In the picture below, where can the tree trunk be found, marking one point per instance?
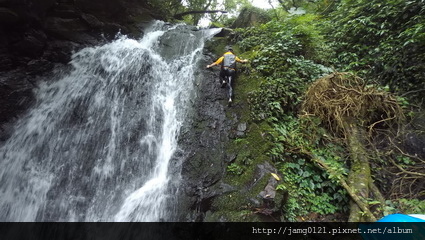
(359, 178)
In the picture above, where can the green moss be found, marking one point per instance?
(250, 150)
(234, 216)
(217, 46)
(238, 206)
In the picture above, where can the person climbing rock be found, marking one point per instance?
(228, 67)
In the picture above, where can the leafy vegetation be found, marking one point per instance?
(286, 56)
(381, 42)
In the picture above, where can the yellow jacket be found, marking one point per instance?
(220, 60)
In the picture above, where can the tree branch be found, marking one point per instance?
(360, 203)
(283, 5)
(179, 16)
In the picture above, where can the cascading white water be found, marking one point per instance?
(97, 145)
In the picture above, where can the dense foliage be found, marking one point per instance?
(382, 42)
(286, 54)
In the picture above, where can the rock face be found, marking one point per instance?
(204, 140)
(36, 35)
(249, 17)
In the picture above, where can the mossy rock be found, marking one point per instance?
(251, 16)
(250, 151)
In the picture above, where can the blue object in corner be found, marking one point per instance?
(394, 227)
(400, 218)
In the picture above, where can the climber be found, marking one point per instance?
(228, 66)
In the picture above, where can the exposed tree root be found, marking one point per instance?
(348, 106)
(406, 179)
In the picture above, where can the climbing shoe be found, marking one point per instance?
(223, 84)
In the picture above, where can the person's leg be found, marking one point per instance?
(231, 73)
(222, 77)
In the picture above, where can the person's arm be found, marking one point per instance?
(216, 62)
(241, 60)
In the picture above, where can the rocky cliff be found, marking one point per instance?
(36, 35)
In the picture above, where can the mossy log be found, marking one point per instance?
(359, 177)
(362, 205)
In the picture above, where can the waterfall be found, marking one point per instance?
(97, 144)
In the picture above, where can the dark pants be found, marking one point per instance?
(231, 73)
(227, 72)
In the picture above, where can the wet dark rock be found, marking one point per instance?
(65, 14)
(64, 10)
(32, 45)
(39, 66)
(169, 38)
(204, 141)
(37, 35)
(6, 62)
(69, 29)
(101, 8)
(57, 24)
(215, 190)
(224, 32)
(15, 94)
(8, 17)
(232, 157)
(111, 30)
(60, 51)
(92, 21)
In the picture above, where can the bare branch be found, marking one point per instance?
(179, 16)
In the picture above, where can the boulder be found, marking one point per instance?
(111, 29)
(225, 32)
(268, 194)
(250, 17)
(241, 130)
